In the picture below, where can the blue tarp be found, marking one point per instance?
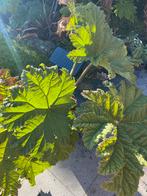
(59, 57)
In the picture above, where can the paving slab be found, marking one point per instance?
(82, 163)
(79, 172)
(45, 183)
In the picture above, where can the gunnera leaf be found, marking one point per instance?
(94, 41)
(116, 126)
(38, 114)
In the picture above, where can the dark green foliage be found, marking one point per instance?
(125, 9)
(22, 11)
(137, 50)
(130, 17)
(125, 16)
(64, 11)
(16, 56)
(33, 16)
(30, 11)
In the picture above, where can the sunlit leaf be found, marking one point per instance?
(92, 35)
(116, 126)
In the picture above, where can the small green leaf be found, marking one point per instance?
(30, 168)
(81, 37)
(125, 9)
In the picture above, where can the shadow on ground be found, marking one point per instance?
(80, 175)
(44, 194)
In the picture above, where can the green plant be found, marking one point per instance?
(35, 16)
(31, 11)
(136, 49)
(35, 130)
(36, 121)
(126, 16)
(16, 56)
(115, 124)
(93, 41)
(64, 11)
(125, 9)
(36, 117)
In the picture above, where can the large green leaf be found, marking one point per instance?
(94, 120)
(116, 126)
(135, 116)
(35, 125)
(93, 40)
(39, 113)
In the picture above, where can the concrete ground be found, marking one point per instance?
(77, 176)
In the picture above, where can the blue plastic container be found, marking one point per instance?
(59, 58)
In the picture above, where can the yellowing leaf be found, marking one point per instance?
(115, 124)
(72, 23)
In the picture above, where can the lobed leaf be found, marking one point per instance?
(35, 128)
(39, 112)
(94, 41)
(115, 124)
